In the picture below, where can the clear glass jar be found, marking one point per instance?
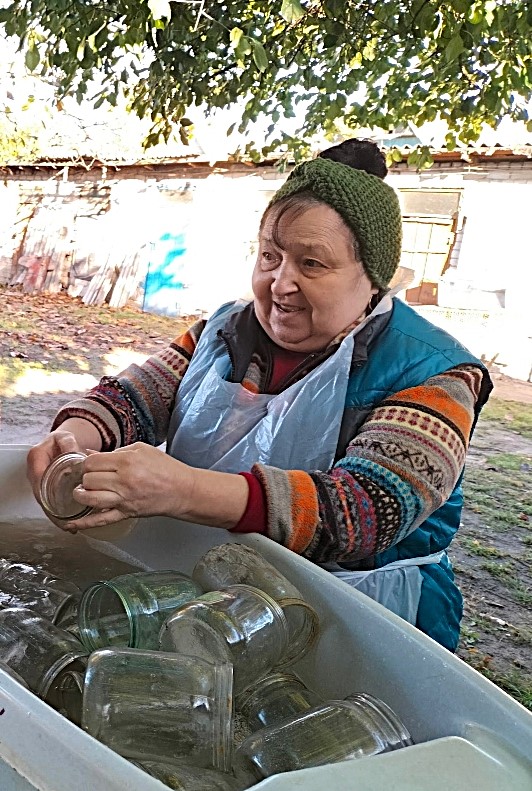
(240, 624)
(68, 695)
(58, 482)
(38, 650)
(11, 573)
(129, 610)
(158, 706)
(238, 564)
(337, 730)
(48, 596)
(10, 672)
(181, 777)
(275, 698)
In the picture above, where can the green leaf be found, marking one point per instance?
(80, 52)
(259, 56)
(235, 35)
(160, 9)
(454, 48)
(292, 10)
(32, 58)
(475, 15)
(243, 47)
(529, 126)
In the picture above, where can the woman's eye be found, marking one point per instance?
(268, 260)
(311, 263)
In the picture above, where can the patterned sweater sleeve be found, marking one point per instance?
(401, 466)
(137, 404)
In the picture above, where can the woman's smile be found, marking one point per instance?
(308, 283)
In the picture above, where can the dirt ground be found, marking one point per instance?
(53, 348)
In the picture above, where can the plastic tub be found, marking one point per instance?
(362, 648)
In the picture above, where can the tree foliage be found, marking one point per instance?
(370, 64)
(19, 139)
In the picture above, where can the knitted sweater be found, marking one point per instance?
(367, 501)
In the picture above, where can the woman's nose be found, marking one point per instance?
(284, 279)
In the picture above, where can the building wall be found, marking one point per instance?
(191, 231)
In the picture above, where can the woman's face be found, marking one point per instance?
(309, 284)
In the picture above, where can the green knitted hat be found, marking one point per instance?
(368, 206)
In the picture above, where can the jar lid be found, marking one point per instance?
(58, 484)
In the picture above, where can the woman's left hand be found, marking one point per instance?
(140, 480)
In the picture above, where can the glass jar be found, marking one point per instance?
(10, 672)
(159, 706)
(238, 564)
(38, 650)
(240, 624)
(68, 695)
(129, 610)
(336, 730)
(181, 777)
(274, 698)
(58, 482)
(33, 589)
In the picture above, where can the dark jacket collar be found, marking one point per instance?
(244, 337)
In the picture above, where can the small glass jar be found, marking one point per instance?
(129, 610)
(68, 695)
(12, 573)
(38, 650)
(336, 730)
(238, 564)
(275, 698)
(151, 705)
(181, 777)
(240, 624)
(48, 596)
(58, 482)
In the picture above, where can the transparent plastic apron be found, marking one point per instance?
(220, 425)
(397, 586)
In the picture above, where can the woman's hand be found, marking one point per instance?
(140, 480)
(73, 436)
(41, 455)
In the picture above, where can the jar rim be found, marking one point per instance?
(264, 683)
(381, 716)
(98, 587)
(47, 480)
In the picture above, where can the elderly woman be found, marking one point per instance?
(325, 414)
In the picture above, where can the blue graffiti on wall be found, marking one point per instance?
(164, 279)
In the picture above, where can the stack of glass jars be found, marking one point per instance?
(191, 677)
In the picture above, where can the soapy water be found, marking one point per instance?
(81, 560)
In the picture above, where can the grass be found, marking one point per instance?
(510, 462)
(474, 547)
(514, 683)
(509, 415)
(500, 493)
(522, 635)
(507, 573)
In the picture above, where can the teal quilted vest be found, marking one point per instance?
(405, 353)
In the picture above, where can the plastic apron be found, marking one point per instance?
(220, 425)
(397, 586)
